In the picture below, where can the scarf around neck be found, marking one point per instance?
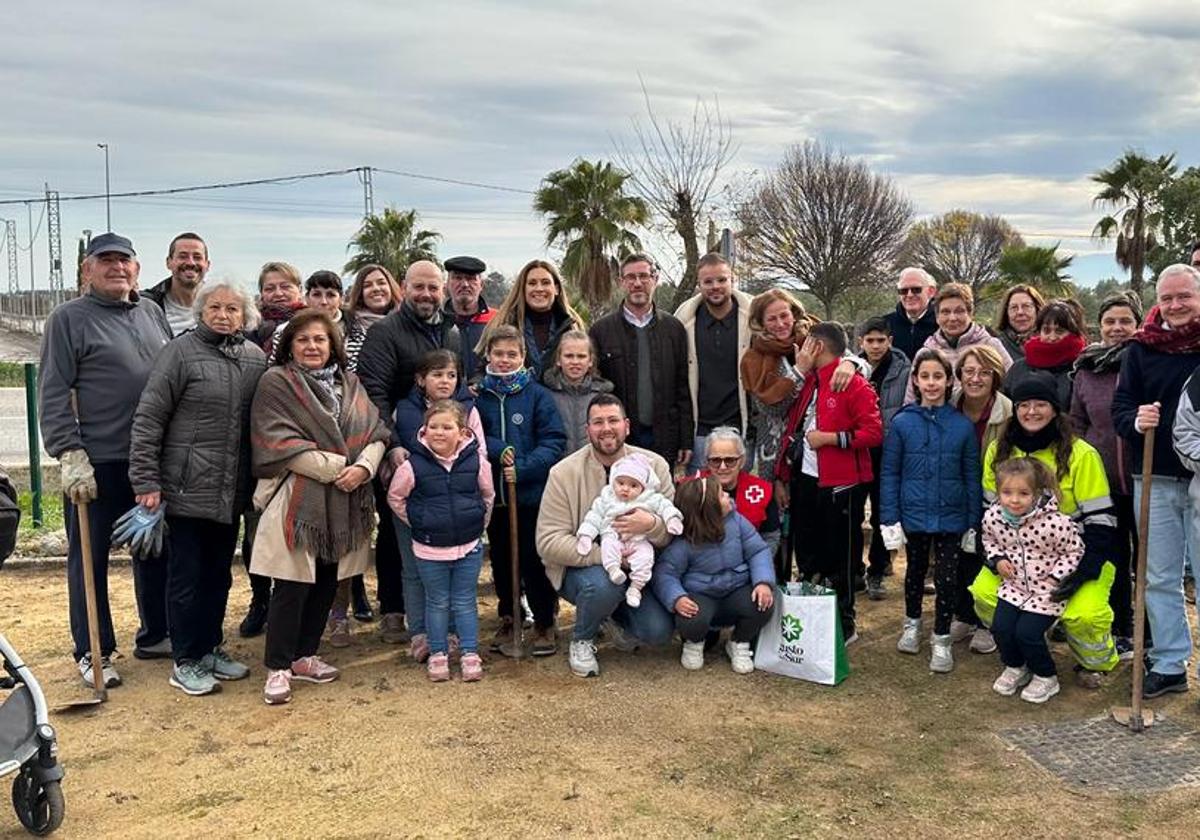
(1030, 442)
(1155, 334)
(325, 379)
(1053, 354)
(1100, 359)
(507, 383)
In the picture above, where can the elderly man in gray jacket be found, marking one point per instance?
(97, 352)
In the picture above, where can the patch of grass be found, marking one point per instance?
(12, 375)
(52, 511)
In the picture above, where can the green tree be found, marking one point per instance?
(590, 215)
(1132, 187)
(959, 247)
(1180, 199)
(1038, 266)
(393, 240)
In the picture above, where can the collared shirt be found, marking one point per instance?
(716, 339)
(640, 322)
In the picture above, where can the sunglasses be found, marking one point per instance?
(909, 290)
(719, 463)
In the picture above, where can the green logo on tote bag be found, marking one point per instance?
(790, 628)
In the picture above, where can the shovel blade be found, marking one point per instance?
(1125, 716)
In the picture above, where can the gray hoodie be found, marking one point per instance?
(102, 350)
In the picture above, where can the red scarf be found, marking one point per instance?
(1154, 333)
(1052, 354)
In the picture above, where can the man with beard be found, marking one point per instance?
(644, 354)
(573, 485)
(187, 260)
(717, 323)
(466, 306)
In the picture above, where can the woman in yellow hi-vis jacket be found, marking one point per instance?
(1040, 430)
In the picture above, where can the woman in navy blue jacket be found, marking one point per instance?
(719, 572)
(525, 436)
(930, 493)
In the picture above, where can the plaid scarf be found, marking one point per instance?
(294, 413)
(1154, 334)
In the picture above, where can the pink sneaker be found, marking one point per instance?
(472, 667)
(418, 647)
(278, 688)
(439, 667)
(311, 669)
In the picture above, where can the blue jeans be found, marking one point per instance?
(414, 589)
(1170, 546)
(450, 587)
(596, 598)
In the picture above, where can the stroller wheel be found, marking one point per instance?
(39, 806)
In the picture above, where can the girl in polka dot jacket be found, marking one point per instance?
(1032, 547)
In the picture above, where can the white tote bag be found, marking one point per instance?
(803, 637)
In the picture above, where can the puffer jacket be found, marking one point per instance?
(190, 437)
(528, 421)
(953, 348)
(930, 475)
(713, 569)
(572, 402)
(1044, 547)
(891, 385)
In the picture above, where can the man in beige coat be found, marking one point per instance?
(572, 487)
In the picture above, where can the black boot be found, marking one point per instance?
(358, 595)
(255, 621)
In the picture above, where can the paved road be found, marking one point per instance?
(18, 346)
(14, 444)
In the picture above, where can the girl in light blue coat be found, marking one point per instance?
(930, 495)
(719, 572)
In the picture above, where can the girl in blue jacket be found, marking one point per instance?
(525, 438)
(719, 572)
(930, 494)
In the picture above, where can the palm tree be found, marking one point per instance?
(1037, 266)
(589, 214)
(1131, 187)
(391, 239)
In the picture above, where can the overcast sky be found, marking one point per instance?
(1000, 108)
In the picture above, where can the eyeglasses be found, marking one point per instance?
(643, 277)
(976, 373)
(724, 463)
(905, 291)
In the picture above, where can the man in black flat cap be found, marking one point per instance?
(97, 353)
(465, 304)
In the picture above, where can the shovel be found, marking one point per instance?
(516, 648)
(1134, 716)
(99, 692)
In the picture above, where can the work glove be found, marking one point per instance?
(893, 536)
(78, 477)
(1068, 586)
(968, 541)
(143, 530)
(583, 545)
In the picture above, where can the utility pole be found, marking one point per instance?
(364, 175)
(32, 276)
(10, 243)
(54, 235)
(107, 189)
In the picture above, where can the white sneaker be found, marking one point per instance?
(111, 678)
(1040, 689)
(941, 659)
(982, 641)
(619, 637)
(692, 658)
(582, 659)
(960, 631)
(1010, 680)
(740, 657)
(633, 597)
(910, 637)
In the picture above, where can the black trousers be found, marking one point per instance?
(878, 557)
(198, 582)
(828, 542)
(945, 574)
(388, 565)
(260, 585)
(737, 609)
(297, 617)
(114, 498)
(543, 600)
(1120, 598)
(1021, 638)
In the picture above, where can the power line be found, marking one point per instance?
(37, 230)
(476, 184)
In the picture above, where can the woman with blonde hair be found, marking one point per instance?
(537, 306)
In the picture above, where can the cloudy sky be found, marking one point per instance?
(1000, 108)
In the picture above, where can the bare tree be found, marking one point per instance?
(826, 221)
(675, 168)
(960, 246)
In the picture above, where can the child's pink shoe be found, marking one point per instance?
(312, 669)
(472, 667)
(438, 667)
(418, 647)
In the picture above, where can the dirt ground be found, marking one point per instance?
(646, 750)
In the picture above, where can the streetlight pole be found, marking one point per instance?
(107, 199)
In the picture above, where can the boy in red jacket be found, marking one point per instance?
(825, 467)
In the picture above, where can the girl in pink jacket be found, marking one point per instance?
(1032, 547)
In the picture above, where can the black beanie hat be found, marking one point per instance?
(1036, 385)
